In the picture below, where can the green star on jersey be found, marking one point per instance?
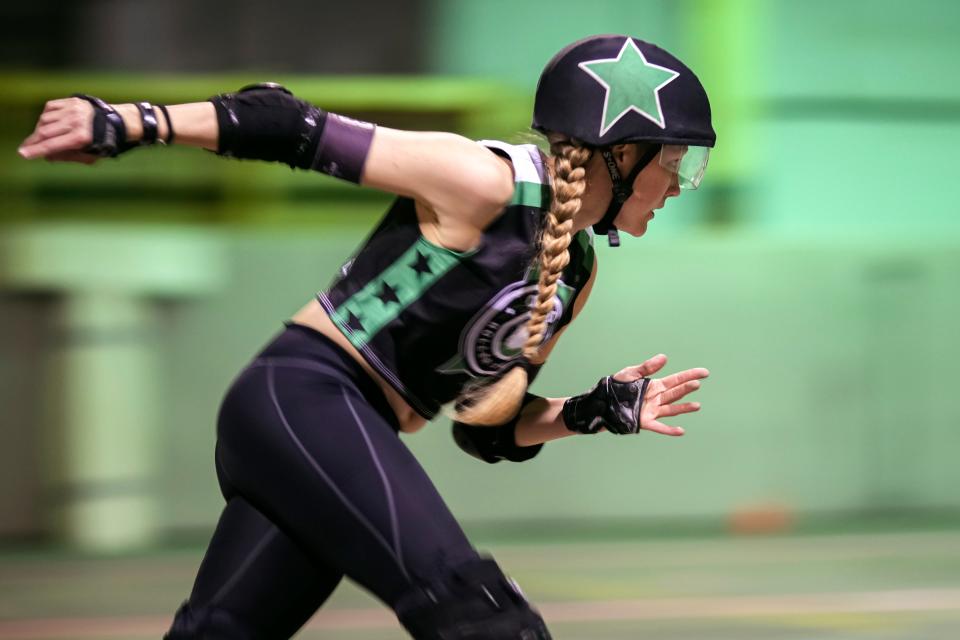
(632, 84)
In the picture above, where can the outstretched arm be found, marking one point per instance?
(460, 181)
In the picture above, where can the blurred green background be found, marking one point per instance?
(815, 272)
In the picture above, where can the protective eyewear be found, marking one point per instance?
(689, 163)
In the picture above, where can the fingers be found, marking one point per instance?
(46, 131)
(64, 125)
(666, 404)
(72, 140)
(676, 409)
(53, 129)
(652, 365)
(672, 395)
(677, 379)
(658, 427)
(60, 103)
(644, 370)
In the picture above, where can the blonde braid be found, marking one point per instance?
(568, 185)
(496, 403)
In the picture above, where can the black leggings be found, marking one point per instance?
(318, 486)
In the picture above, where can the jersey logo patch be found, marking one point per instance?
(495, 336)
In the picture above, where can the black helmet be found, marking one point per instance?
(613, 89)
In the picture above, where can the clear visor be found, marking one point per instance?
(689, 163)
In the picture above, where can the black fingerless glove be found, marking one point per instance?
(611, 404)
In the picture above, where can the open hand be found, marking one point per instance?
(660, 400)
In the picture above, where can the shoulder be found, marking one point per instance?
(494, 170)
(529, 176)
(482, 183)
(495, 176)
(453, 175)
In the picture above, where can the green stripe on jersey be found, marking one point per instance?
(531, 194)
(398, 286)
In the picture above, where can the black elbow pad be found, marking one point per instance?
(492, 444)
(267, 122)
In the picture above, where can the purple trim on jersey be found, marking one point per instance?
(342, 150)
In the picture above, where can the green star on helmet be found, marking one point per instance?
(632, 84)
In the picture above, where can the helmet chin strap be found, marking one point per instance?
(622, 188)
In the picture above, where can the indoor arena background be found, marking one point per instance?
(815, 273)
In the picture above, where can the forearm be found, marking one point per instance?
(541, 421)
(194, 124)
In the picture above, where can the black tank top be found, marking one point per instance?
(429, 319)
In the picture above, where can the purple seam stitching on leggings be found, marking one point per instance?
(222, 591)
(383, 476)
(316, 467)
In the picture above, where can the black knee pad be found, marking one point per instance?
(475, 602)
(208, 623)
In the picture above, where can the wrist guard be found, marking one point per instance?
(109, 136)
(109, 133)
(267, 122)
(612, 404)
(493, 444)
(148, 118)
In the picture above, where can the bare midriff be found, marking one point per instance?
(314, 316)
